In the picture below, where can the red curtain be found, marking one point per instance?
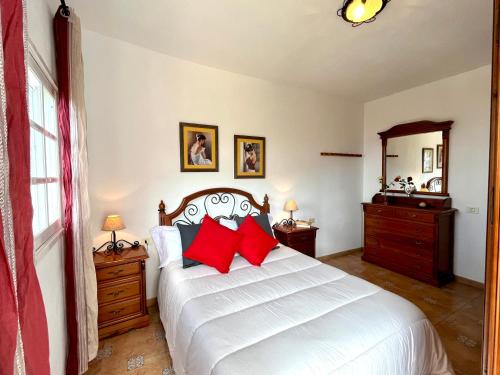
(61, 31)
(20, 283)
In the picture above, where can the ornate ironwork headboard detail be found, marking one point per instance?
(435, 184)
(218, 203)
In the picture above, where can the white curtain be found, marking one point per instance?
(86, 285)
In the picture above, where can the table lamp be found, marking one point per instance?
(290, 205)
(112, 223)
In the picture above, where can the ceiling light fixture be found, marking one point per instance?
(358, 12)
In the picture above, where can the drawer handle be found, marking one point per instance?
(413, 215)
(379, 211)
(117, 272)
(418, 242)
(117, 312)
(116, 293)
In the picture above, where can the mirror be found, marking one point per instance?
(417, 150)
(419, 156)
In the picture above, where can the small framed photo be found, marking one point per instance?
(427, 160)
(249, 157)
(439, 156)
(199, 146)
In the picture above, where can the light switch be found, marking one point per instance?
(472, 210)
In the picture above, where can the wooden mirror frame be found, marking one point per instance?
(418, 127)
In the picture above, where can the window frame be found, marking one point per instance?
(36, 64)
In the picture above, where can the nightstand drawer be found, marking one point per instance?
(115, 291)
(301, 237)
(109, 273)
(118, 310)
(305, 247)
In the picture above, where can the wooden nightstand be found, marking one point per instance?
(121, 291)
(300, 239)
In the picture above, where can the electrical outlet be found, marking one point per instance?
(472, 210)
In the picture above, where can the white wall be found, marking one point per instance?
(465, 99)
(40, 31)
(135, 100)
(49, 263)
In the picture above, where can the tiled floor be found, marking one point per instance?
(455, 310)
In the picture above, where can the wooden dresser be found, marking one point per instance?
(416, 242)
(300, 239)
(121, 291)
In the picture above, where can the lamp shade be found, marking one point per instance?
(113, 222)
(291, 205)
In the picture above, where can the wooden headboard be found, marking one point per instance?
(217, 202)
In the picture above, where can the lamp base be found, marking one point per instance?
(115, 246)
(288, 223)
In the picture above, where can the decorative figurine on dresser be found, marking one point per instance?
(121, 285)
(412, 233)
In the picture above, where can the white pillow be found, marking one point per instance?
(168, 243)
(270, 220)
(231, 224)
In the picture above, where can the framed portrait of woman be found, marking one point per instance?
(199, 146)
(249, 156)
(427, 160)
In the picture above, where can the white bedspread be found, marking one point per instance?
(293, 315)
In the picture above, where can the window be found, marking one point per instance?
(44, 156)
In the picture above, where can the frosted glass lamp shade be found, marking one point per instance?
(291, 205)
(112, 223)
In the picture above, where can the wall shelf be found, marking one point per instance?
(341, 154)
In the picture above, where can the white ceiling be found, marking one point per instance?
(304, 42)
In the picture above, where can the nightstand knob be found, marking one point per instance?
(117, 272)
(116, 293)
(116, 312)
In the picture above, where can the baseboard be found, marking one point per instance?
(151, 302)
(340, 254)
(469, 282)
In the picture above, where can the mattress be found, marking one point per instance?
(292, 315)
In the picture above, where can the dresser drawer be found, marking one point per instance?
(399, 260)
(415, 215)
(119, 310)
(109, 273)
(375, 225)
(380, 210)
(405, 245)
(109, 292)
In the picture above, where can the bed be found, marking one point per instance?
(292, 315)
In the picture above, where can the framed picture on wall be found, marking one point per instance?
(249, 157)
(199, 147)
(439, 156)
(427, 160)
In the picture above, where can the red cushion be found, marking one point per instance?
(214, 245)
(256, 243)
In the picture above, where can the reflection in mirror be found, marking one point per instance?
(418, 156)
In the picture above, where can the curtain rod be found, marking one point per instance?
(64, 9)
